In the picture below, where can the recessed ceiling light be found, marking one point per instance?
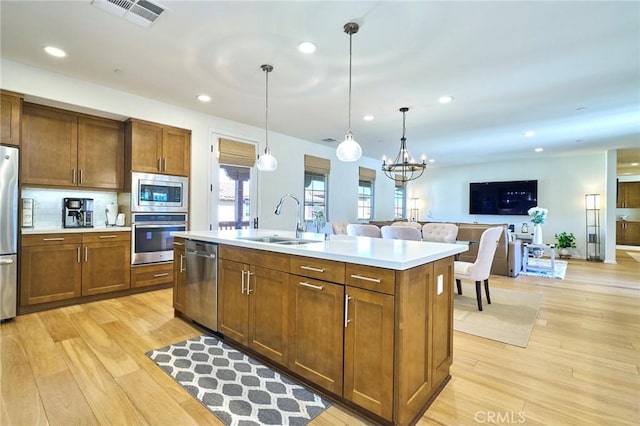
(368, 117)
(306, 47)
(204, 98)
(539, 149)
(634, 164)
(446, 99)
(54, 51)
(529, 134)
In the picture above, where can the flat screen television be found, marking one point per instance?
(503, 198)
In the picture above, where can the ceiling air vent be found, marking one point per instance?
(329, 140)
(140, 12)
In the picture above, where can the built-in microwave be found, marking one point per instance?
(159, 193)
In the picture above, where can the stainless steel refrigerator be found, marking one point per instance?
(8, 231)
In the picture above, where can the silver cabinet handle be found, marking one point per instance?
(73, 175)
(310, 268)
(108, 236)
(182, 268)
(80, 176)
(161, 275)
(159, 165)
(86, 254)
(78, 254)
(249, 273)
(242, 287)
(346, 310)
(175, 243)
(53, 239)
(317, 287)
(164, 164)
(373, 280)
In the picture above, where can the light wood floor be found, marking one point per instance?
(86, 365)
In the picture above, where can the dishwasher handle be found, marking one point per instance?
(202, 254)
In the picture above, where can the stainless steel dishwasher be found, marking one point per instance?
(201, 287)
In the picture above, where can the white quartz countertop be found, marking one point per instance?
(61, 230)
(384, 253)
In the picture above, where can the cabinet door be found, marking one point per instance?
(632, 233)
(268, 311)
(368, 351)
(631, 194)
(620, 232)
(106, 267)
(49, 146)
(316, 324)
(50, 273)
(10, 114)
(442, 319)
(179, 275)
(144, 142)
(100, 153)
(233, 301)
(176, 151)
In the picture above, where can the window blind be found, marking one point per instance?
(236, 153)
(366, 174)
(317, 165)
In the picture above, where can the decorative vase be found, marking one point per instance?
(537, 234)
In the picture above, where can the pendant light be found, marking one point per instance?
(266, 161)
(349, 150)
(404, 168)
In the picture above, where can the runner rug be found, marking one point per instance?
(236, 388)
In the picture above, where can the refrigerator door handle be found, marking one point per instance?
(6, 261)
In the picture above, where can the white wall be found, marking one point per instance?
(562, 185)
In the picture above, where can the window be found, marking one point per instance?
(400, 202)
(316, 186)
(366, 186)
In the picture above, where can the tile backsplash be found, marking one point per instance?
(47, 205)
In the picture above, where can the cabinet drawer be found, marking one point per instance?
(147, 275)
(101, 237)
(265, 259)
(50, 239)
(371, 278)
(326, 270)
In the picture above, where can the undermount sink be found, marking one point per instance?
(278, 240)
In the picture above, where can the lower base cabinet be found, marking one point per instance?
(628, 233)
(151, 275)
(56, 267)
(179, 275)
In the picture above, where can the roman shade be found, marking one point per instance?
(317, 165)
(366, 174)
(236, 153)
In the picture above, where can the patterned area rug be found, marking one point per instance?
(236, 388)
(560, 268)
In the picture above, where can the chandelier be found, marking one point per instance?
(267, 162)
(349, 150)
(404, 168)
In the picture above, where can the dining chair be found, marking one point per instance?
(339, 227)
(407, 223)
(479, 270)
(440, 232)
(401, 233)
(363, 230)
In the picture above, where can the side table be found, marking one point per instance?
(530, 247)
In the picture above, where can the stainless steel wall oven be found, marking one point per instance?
(151, 240)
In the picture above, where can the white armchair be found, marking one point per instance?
(480, 269)
(401, 233)
(339, 227)
(363, 230)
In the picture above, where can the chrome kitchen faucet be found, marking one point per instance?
(300, 226)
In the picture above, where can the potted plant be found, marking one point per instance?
(565, 241)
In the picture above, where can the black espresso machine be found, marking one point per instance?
(77, 213)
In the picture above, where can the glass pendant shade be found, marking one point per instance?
(349, 150)
(267, 162)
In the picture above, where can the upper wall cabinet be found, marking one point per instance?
(628, 195)
(154, 148)
(66, 149)
(11, 112)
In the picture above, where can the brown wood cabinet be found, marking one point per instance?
(151, 275)
(61, 148)
(252, 300)
(179, 275)
(63, 266)
(628, 233)
(154, 148)
(628, 195)
(316, 322)
(10, 116)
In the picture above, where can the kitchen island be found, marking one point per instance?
(367, 321)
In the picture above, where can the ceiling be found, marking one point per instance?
(569, 71)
